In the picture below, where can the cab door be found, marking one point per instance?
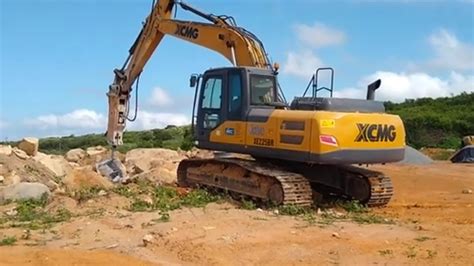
(233, 127)
(210, 106)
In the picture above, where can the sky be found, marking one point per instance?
(57, 56)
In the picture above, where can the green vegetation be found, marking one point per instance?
(8, 241)
(86, 194)
(439, 123)
(248, 205)
(293, 210)
(30, 214)
(170, 138)
(167, 199)
(353, 211)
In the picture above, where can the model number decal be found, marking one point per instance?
(263, 142)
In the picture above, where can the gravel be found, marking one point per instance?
(413, 156)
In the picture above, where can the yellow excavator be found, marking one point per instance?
(295, 151)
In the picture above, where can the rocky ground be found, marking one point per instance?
(88, 220)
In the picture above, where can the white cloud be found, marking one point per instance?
(77, 119)
(85, 121)
(319, 35)
(397, 87)
(159, 98)
(301, 64)
(151, 120)
(450, 52)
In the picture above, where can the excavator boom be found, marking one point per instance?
(222, 35)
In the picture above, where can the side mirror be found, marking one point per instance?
(193, 80)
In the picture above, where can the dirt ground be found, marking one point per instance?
(433, 225)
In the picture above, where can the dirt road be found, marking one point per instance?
(432, 224)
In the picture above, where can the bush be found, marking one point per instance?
(436, 123)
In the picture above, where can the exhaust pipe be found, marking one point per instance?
(371, 89)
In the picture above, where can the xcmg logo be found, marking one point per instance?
(375, 132)
(187, 31)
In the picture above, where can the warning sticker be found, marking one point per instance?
(328, 123)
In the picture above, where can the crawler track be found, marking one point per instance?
(292, 184)
(248, 178)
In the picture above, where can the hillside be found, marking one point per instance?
(440, 122)
(170, 138)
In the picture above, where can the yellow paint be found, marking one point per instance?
(342, 126)
(328, 123)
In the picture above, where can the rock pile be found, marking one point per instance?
(26, 172)
(413, 156)
(157, 165)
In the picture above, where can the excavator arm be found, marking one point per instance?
(221, 35)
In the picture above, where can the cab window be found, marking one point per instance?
(262, 89)
(212, 93)
(212, 102)
(235, 96)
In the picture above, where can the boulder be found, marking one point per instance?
(55, 163)
(143, 160)
(91, 151)
(29, 145)
(12, 179)
(197, 153)
(75, 155)
(6, 149)
(84, 177)
(23, 190)
(74, 165)
(159, 176)
(20, 153)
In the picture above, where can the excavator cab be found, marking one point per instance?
(233, 95)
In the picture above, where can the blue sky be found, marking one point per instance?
(57, 56)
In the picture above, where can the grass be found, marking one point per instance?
(293, 210)
(86, 194)
(353, 206)
(30, 214)
(369, 218)
(354, 211)
(167, 199)
(139, 205)
(124, 191)
(164, 217)
(8, 241)
(248, 205)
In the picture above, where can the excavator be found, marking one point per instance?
(313, 146)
